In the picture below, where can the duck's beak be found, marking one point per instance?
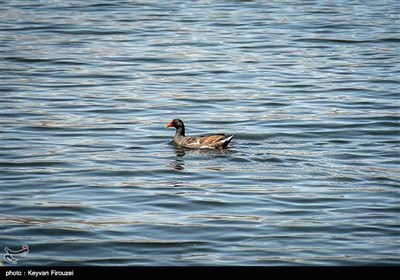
(170, 124)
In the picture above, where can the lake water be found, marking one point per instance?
(310, 89)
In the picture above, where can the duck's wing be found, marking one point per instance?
(208, 141)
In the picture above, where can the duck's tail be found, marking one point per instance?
(226, 140)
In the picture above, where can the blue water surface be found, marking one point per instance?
(89, 175)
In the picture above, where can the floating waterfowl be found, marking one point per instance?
(213, 141)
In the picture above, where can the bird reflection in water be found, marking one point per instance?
(180, 151)
(179, 163)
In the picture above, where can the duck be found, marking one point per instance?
(213, 141)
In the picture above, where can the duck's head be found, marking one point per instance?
(177, 123)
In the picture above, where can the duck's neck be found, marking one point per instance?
(180, 131)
